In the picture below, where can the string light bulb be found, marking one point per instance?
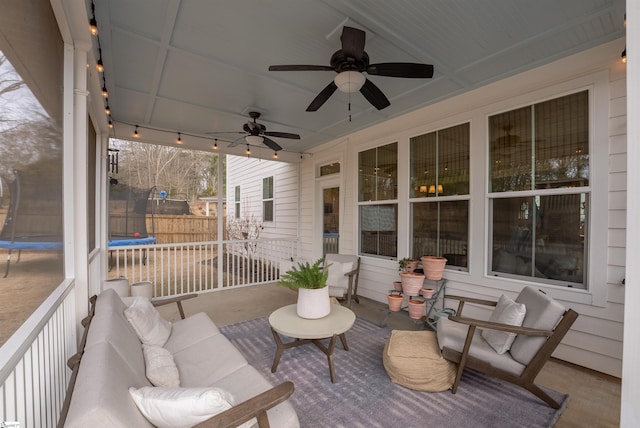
(275, 155)
(105, 94)
(99, 64)
(110, 124)
(623, 56)
(93, 24)
(248, 150)
(179, 139)
(215, 144)
(107, 110)
(135, 132)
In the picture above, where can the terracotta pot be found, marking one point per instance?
(411, 283)
(313, 303)
(433, 267)
(411, 265)
(397, 285)
(395, 302)
(416, 308)
(427, 293)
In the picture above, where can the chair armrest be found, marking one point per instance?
(462, 300)
(255, 407)
(353, 272)
(175, 299)
(471, 300)
(502, 327)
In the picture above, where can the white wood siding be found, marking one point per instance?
(595, 341)
(248, 172)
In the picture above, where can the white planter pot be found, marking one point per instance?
(120, 285)
(143, 288)
(313, 303)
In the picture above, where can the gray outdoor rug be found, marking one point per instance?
(364, 396)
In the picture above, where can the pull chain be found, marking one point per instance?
(349, 106)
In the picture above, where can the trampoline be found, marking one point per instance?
(128, 211)
(34, 217)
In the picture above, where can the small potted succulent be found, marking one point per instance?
(311, 282)
(407, 264)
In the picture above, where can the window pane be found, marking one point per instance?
(31, 160)
(333, 168)
(237, 194)
(441, 229)
(510, 151)
(423, 165)
(541, 237)
(378, 173)
(267, 188)
(562, 142)
(453, 161)
(379, 229)
(267, 211)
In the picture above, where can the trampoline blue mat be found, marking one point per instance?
(135, 241)
(15, 245)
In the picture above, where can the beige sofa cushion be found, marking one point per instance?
(191, 330)
(100, 398)
(247, 382)
(205, 362)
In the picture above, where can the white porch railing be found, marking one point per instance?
(33, 370)
(198, 267)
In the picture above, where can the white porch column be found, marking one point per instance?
(630, 411)
(79, 183)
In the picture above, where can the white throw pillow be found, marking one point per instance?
(147, 322)
(160, 368)
(180, 407)
(506, 312)
(337, 273)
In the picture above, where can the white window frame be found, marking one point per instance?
(271, 199)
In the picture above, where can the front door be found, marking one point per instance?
(331, 220)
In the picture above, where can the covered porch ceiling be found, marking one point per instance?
(199, 67)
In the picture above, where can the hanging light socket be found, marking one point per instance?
(135, 132)
(179, 139)
(93, 24)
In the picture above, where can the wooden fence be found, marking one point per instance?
(171, 229)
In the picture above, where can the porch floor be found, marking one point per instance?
(595, 397)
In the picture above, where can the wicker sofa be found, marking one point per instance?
(112, 361)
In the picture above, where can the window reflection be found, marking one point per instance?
(30, 190)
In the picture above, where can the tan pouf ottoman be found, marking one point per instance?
(412, 359)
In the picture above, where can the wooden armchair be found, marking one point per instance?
(344, 271)
(545, 324)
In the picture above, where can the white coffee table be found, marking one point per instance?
(286, 322)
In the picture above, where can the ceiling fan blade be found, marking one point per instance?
(322, 97)
(401, 69)
(300, 68)
(282, 135)
(271, 144)
(374, 95)
(236, 142)
(353, 42)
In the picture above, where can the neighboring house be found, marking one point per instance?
(265, 192)
(583, 96)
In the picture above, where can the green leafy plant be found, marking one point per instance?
(306, 275)
(402, 263)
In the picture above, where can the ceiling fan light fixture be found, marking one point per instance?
(349, 81)
(253, 139)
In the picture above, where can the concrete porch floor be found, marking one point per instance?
(595, 397)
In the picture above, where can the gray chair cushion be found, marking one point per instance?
(453, 334)
(543, 313)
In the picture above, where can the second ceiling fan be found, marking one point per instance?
(350, 63)
(257, 134)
